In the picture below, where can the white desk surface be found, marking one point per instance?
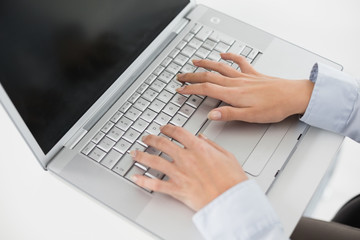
(34, 204)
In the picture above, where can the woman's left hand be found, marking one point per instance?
(200, 171)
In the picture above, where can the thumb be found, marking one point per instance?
(228, 113)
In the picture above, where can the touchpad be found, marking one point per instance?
(237, 137)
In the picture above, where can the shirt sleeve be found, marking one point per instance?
(334, 104)
(243, 213)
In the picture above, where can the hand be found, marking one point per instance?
(199, 173)
(254, 97)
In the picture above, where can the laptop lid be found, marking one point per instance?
(58, 58)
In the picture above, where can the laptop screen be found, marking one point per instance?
(58, 57)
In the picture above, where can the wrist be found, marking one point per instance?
(302, 93)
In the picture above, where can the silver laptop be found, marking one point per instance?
(84, 81)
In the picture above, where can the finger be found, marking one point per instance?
(154, 184)
(203, 77)
(184, 137)
(163, 144)
(228, 113)
(213, 144)
(219, 67)
(241, 61)
(155, 162)
(208, 89)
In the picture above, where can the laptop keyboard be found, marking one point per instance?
(156, 103)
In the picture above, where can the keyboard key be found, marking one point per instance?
(188, 51)
(115, 134)
(246, 51)
(139, 140)
(173, 68)
(194, 101)
(134, 97)
(181, 59)
(125, 107)
(165, 96)
(141, 104)
(253, 54)
(222, 47)
(158, 70)
(150, 79)
(186, 110)
(133, 113)
(149, 94)
(165, 76)
(202, 52)
(172, 86)
(173, 53)
(178, 120)
(98, 137)
(153, 151)
(209, 44)
(165, 62)
(116, 117)
(111, 159)
(188, 37)
(138, 147)
(196, 28)
(178, 99)
(195, 43)
(135, 170)
(157, 85)
(171, 109)
(188, 69)
(122, 146)
(153, 173)
(215, 56)
(148, 115)
(156, 105)
(181, 44)
(140, 125)
(142, 88)
(88, 148)
(193, 58)
(123, 166)
(203, 34)
(124, 123)
(162, 119)
(131, 135)
(142, 166)
(97, 154)
(106, 144)
(107, 127)
(154, 128)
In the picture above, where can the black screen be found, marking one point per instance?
(58, 57)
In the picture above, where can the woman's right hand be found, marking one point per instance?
(252, 96)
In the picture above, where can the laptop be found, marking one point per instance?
(84, 81)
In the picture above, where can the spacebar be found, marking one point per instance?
(199, 117)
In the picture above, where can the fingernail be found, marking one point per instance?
(178, 76)
(180, 89)
(133, 153)
(134, 178)
(161, 127)
(195, 60)
(144, 138)
(214, 115)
